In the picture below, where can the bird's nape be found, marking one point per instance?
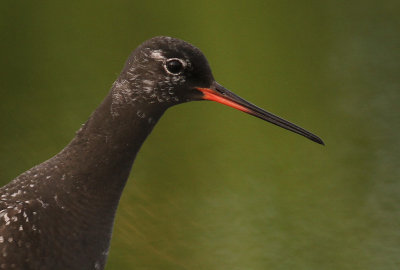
(222, 95)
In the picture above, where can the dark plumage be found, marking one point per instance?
(60, 214)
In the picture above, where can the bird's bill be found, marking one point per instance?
(222, 95)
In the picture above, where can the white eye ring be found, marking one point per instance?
(174, 66)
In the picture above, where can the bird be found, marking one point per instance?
(60, 213)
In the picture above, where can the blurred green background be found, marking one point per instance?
(213, 188)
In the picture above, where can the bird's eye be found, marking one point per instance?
(174, 66)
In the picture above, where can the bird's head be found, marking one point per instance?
(165, 71)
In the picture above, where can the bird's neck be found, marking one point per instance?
(83, 183)
(103, 151)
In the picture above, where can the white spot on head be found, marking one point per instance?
(148, 89)
(157, 55)
(121, 94)
(148, 82)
